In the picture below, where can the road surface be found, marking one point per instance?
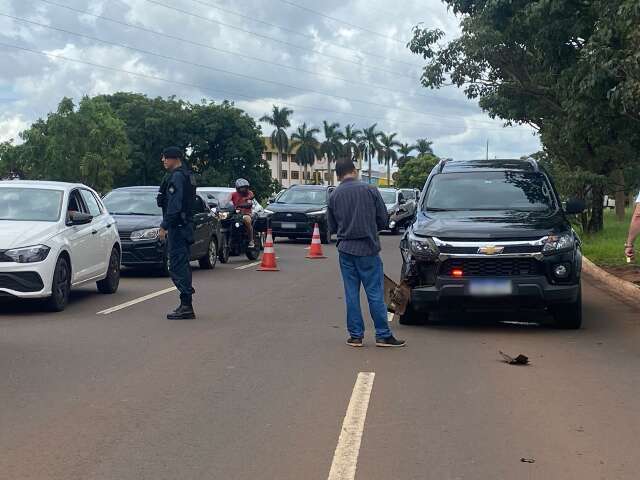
(261, 384)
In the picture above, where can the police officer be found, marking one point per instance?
(176, 198)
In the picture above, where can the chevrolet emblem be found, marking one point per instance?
(490, 250)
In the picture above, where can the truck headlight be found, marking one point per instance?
(558, 243)
(34, 254)
(423, 247)
(317, 213)
(146, 234)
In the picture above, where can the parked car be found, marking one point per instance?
(53, 237)
(401, 211)
(138, 218)
(493, 235)
(298, 209)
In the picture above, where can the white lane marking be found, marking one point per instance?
(136, 301)
(244, 267)
(345, 458)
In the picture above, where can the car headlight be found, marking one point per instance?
(146, 234)
(318, 212)
(423, 247)
(34, 254)
(268, 212)
(557, 243)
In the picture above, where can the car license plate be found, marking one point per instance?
(289, 226)
(490, 287)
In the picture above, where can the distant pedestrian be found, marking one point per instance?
(357, 213)
(176, 198)
(634, 231)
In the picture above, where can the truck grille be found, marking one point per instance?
(492, 267)
(290, 217)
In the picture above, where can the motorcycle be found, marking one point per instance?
(235, 236)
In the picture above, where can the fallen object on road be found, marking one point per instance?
(528, 460)
(396, 296)
(519, 360)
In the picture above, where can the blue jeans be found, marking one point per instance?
(368, 272)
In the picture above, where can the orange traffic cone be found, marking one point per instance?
(315, 252)
(269, 256)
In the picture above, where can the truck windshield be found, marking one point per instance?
(508, 190)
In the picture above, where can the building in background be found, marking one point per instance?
(377, 178)
(292, 173)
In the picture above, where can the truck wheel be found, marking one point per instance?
(110, 283)
(60, 286)
(209, 261)
(413, 317)
(568, 316)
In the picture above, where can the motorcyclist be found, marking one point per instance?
(242, 200)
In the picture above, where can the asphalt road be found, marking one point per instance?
(259, 385)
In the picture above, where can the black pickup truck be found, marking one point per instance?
(492, 235)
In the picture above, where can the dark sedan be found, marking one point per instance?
(138, 218)
(298, 209)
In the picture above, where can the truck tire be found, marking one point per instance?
(568, 316)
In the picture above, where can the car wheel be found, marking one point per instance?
(208, 262)
(111, 282)
(568, 316)
(413, 317)
(60, 286)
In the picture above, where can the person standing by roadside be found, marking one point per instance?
(634, 231)
(176, 198)
(357, 213)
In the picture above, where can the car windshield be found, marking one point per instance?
(30, 204)
(304, 196)
(506, 190)
(389, 196)
(222, 198)
(121, 202)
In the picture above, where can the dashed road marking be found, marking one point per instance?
(136, 301)
(345, 458)
(243, 267)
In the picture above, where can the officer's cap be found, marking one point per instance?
(172, 152)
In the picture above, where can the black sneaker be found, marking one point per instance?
(183, 312)
(390, 342)
(354, 342)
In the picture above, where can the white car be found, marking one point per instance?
(55, 236)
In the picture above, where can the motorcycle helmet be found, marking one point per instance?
(241, 182)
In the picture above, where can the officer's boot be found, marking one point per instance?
(183, 312)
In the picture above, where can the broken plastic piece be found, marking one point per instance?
(519, 360)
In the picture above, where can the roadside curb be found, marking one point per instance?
(617, 286)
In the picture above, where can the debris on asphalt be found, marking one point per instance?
(528, 460)
(519, 360)
(396, 296)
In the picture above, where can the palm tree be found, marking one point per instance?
(405, 153)
(308, 146)
(280, 120)
(331, 147)
(369, 145)
(387, 152)
(351, 138)
(423, 146)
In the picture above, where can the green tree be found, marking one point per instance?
(533, 63)
(226, 144)
(351, 137)
(388, 154)
(88, 144)
(405, 153)
(331, 148)
(423, 146)
(369, 145)
(414, 173)
(279, 118)
(308, 146)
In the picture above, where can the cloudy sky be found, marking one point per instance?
(338, 60)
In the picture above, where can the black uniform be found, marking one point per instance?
(177, 196)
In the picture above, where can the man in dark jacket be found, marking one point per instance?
(176, 198)
(357, 213)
